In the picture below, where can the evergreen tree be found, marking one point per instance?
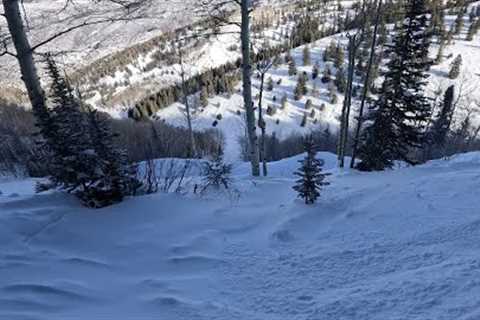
(444, 119)
(441, 48)
(455, 67)
(81, 157)
(309, 104)
(118, 177)
(269, 84)
(459, 23)
(327, 75)
(400, 114)
(283, 101)
(306, 56)
(72, 162)
(315, 71)
(340, 80)
(216, 173)
(292, 68)
(311, 178)
(472, 30)
(301, 88)
(204, 97)
(339, 56)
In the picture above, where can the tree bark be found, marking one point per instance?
(345, 117)
(25, 56)
(365, 87)
(262, 125)
(247, 88)
(193, 146)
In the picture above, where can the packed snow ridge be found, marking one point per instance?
(400, 244)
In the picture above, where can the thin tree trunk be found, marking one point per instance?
(25, 56)
(247, 88)
(365, 86)
(193, 146)
(345, 118)
(262, 125)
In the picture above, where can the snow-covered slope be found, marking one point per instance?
(400, 244)
(288, 121)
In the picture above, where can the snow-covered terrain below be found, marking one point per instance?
(400, 244)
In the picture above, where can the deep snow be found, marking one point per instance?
(402, 244)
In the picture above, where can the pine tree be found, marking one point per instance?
(292, 68)
(269, 84)
(340, 80)
(455, 67)
(400, 114)
(72, 160)
(315, 71)
(444, 119)
(309, 104)
(472, 30)
(339, 56)
(459, 23)
(81, 156)
(441, 48)
(216, 173)
(311, 178)
(306, 56)
(283, 101)
(204, 97)
(301, 88)
(326, 75)
(118, 177)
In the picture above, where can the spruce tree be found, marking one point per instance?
(72, 161)
(340, 80)
(311, 178)
(118, 177)
(444, 119)
(216, 173)
(204, 97)
(315, 71)
(81, 156)
(306, 56)
(400, 114)
(292, 68)
(455, 67)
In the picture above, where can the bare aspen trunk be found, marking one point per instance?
(247, 89)
(193, 146)
(24, 56)
(365, 86)
(345, 118)
(262, 125)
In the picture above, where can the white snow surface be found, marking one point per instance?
(401, 244)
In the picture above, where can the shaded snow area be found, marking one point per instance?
(402, 244)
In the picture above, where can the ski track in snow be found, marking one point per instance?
(395, 245)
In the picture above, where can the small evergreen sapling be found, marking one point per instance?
(216, 173)
(311, 178)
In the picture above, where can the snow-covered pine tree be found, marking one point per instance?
(455, 67)
(71, 160)
(306, 56)
(443, 122)
(311, 178)
(399, 116)
(118, 177)
(82, 158)
(217, 173)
